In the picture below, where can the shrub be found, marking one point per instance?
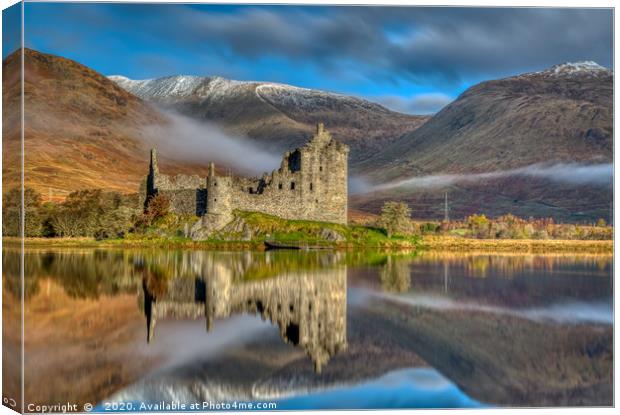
(158, 207)
(396, 219)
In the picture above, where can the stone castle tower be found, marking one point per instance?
(310, 184)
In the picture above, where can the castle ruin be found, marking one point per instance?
(310, 184)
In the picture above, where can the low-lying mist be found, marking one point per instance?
(571, 173)
(201, 142)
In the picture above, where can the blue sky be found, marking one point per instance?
(410, 59)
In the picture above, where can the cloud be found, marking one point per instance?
(421, 104)
(204, 142)
(571, 173)
(363, 51)
(418, 43)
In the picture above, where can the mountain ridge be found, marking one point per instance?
(279, 116)
(563, 114)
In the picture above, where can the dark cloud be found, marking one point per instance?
(424, 44)
(444, 46)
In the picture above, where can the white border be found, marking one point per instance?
(478, 3)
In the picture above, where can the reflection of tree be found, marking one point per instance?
(395, 275)
(11, 276)
(82, 274)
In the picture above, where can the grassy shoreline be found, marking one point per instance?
(533, 246)
(427, 243)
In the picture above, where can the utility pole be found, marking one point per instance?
(446, 217)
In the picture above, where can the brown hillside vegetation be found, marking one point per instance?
(81, 130)
(513, 122)
(549, 117)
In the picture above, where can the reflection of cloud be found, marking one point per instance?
(187, 340)
(573, 312)
(422, 104)
(422, 378)
(572, 173)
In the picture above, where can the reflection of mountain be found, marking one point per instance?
(514, 281)
(309, 307)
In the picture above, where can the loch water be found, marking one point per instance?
(310, 329)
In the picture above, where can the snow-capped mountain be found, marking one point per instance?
(574, 69)
(282, 116)
(180, 88)
(177, 88)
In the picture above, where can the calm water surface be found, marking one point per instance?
(313, 329)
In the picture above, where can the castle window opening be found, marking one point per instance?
(292, 185)
(251, 190)
(310, 186)
(280, 186)
(214, 183)
(320, 168)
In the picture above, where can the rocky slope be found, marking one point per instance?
(81, 129)
(561, 115)
(279, 116)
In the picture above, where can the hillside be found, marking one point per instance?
(82, 130)
(278, 116)
(563, 115)
(557, 115)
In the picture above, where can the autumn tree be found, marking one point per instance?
(396, 219)
(479, 225)
(158, 206)
(11, 212)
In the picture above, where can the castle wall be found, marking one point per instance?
(311, 184)
(187, 194)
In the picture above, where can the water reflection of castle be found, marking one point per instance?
(309, 307)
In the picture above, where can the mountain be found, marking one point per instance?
(562, 115)
(278, 116)
(84, 131)
(81, 129)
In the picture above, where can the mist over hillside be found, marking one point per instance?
(279, 117)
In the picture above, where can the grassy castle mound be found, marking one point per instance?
(253, 229)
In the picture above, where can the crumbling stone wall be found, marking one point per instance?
(310, 184)
(187, 194)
